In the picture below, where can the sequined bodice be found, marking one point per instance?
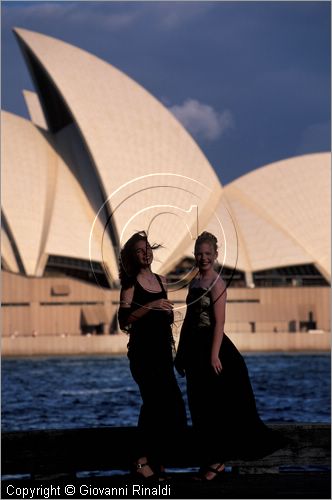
(200, 312)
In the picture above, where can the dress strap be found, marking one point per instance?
(160, 283)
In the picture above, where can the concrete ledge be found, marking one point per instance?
(282, 341)
(117, 344)
(61, 345)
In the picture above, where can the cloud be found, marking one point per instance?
(70, 14)
(35, 11)
(173, 15)
(201, 120)
(316, 137)
(110, 15)
(113, 21)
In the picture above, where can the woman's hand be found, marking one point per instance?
(161, 304)
(216, 364)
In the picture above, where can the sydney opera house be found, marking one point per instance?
(101, 158)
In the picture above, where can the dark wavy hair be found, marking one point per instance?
(128, 265)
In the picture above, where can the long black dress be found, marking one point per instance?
(150, 351)
(222, 407)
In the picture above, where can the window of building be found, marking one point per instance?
(301, 275)
(85, 270)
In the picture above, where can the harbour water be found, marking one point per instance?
(73, 392)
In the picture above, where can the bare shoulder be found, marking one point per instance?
(221, 282)
(163, 279)
(219, 288)
(126, 296)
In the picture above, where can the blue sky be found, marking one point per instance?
(249, 80)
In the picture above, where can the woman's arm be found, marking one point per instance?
(218, 295)
(126, 298)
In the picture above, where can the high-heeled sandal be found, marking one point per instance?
(154, 478)
(217, 471)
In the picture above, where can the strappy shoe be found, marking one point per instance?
(152, 478)
(217, 471)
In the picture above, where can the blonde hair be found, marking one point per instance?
(206, 237)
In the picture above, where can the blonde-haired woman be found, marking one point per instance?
(220, 396)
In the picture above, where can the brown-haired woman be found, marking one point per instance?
(220, 396)
(146, 314)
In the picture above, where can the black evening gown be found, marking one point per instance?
(162, 417)
(222, 407)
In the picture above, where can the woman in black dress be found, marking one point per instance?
(146, 314)
(220, 396)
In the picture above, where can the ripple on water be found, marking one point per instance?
(68, 392)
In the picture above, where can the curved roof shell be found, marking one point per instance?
(29, 165)
(129, 134)
(280, 216)
(45, 207)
